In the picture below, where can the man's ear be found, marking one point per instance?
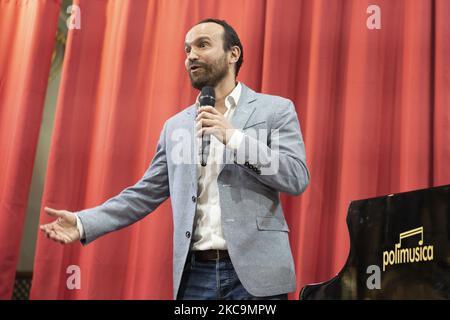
(235, 54)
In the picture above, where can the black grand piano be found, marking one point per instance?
(399, 249)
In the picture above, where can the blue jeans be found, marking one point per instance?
(214, 280)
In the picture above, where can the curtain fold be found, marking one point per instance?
(27, 34)
(373, 106)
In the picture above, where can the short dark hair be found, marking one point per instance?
(230, 39)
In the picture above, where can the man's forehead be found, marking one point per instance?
(209, 30)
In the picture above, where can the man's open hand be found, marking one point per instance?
(64, 229)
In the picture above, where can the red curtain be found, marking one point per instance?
(373, 106)
(27, 34)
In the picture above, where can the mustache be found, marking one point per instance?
(197, 64)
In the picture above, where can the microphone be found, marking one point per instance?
(207, 98)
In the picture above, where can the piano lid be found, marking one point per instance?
(399, 249)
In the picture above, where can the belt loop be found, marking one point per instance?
(193, 259)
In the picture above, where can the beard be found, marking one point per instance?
(210, 75)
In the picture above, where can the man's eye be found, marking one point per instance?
(203, 44)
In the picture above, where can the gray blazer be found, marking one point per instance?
(270, 159)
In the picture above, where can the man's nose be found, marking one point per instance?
(192, 56)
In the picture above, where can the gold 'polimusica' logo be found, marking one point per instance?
(408, 255)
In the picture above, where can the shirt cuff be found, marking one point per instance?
(235, 140)
(80, 228)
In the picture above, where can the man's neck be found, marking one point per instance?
(222, 90)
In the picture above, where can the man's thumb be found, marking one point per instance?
(54, 213)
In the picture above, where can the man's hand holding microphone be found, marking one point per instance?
(210, 121)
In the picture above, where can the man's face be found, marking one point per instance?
(206, 61)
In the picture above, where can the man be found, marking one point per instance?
(230, 234)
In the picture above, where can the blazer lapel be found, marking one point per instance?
(242, 114)
(244, 109)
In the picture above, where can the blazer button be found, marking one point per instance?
(188, 234)
(246, 163)
(194, 198)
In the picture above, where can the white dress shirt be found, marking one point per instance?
(207, 222)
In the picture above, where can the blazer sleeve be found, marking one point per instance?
(281, 163)
(133, 203)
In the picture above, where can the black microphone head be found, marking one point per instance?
(207, 97)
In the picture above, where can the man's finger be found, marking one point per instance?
(208, 109)
(206, 115)
(54, 212)
(54, 236)
(208, 122)
(206, 130)
(44, 227)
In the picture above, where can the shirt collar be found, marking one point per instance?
(230, 100)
